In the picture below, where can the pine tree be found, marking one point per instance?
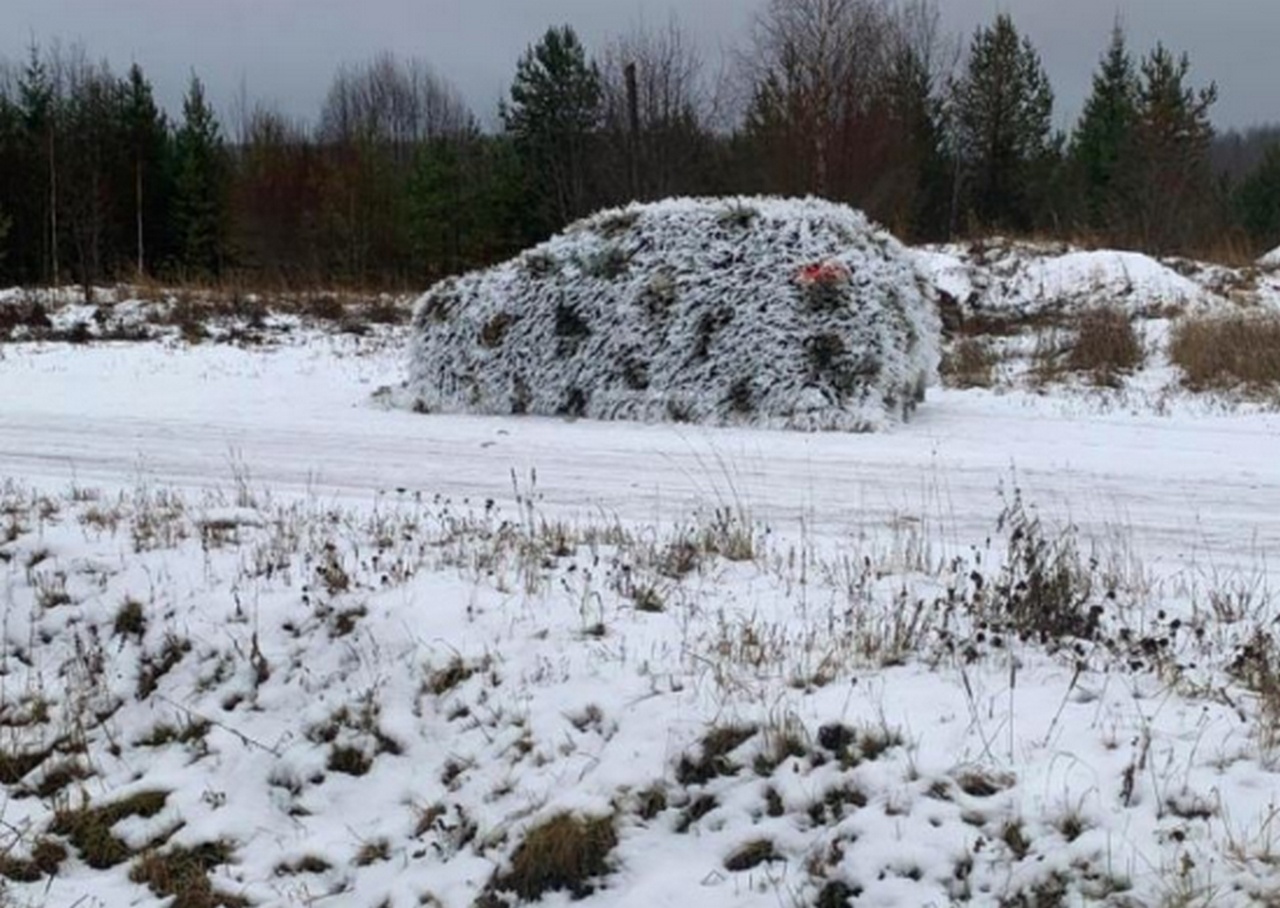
(553, 118)
(1004, 106)
(917, 118)
(200, 204)
(1105, 133)
(1169, 173)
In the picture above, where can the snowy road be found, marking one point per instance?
(1200, 494)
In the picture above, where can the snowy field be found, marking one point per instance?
(269, 640)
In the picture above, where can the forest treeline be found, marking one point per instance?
(396, 182)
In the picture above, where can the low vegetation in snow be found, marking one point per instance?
(1127, 329)
(129, 313)
(232, 701)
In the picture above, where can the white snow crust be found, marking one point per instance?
(1271, 259)
(689, 310)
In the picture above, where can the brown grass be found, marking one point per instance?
(970, 363)
(565, 853)
(46, 858)
(1102, 345)
(751, 855)
(1228, 352)
(89, 828)
(1107, 347)
(1232, 248)
(183, 873)
(714, 760)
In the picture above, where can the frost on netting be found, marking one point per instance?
(785, 313)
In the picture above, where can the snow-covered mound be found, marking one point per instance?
(1271, 259)
(1006, 278)
(785, 313)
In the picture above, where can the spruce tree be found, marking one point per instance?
(553, 118)
(201, 182)
(1004, 106)
(446, 205)
(1258, 200)
(38, 102)
(148, 138)
(1104, 134)
(917, 116)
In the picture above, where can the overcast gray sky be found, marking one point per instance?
(285, 51)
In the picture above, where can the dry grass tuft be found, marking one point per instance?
(1101, 344)
(751, 855)
(1228, 352)
(440, 682)
(980, 783)
(191, 731)
(130, 620)
(1257, 668)
(308, 863)
(15, 764)
(1107, 347)
(374, 852)
(565, 853)
(89, 828)
(45, 860)
(714, 760)
(970, 363)
(183, 873)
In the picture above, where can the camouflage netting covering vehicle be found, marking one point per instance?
(795, 314)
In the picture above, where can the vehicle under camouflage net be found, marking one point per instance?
(797, 314)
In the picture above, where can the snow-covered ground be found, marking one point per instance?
(347, 654)
(299, 420)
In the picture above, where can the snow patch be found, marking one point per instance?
(1271, 259)
(1024, 279)
(781, 313)
(1131, 278)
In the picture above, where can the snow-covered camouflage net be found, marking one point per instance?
(785, 313)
